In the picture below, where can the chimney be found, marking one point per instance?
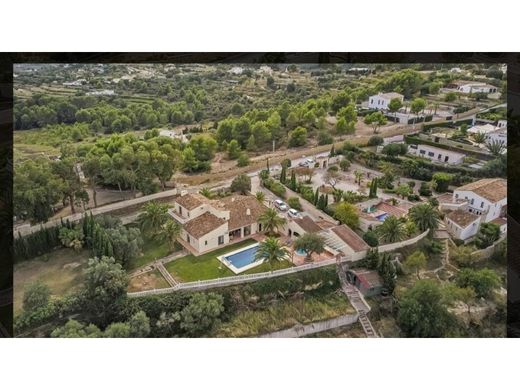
(248, 211)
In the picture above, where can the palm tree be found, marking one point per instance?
(479, 138)
(260, 196)
(392, 229)
(206, 192)
(170, 232)
(425, 217)
(271, 250)
(154, 216)
(271, 221)
(495, 147)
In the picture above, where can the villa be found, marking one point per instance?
(465, 86)
(436, 154)
(208, 224)
(381, 100)
(481, 201)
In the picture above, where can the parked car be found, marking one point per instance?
(294, 213)
(280, 205)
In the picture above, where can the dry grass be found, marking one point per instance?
(285, 314)
(61, 270)
(148, 281)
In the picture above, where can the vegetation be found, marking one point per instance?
(271, 221)
(270, 251)
(310, 243)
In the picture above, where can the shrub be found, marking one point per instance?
(243, 160)
(370, 237)
(375, 140)
(294, 203)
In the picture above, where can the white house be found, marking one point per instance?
(484, 129)
(462, 224)
(474, 87)
(381, 100)
(474, 203)
(486, 198)
(208, 224)
(437, 154)
(173, 134)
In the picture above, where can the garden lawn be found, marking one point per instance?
(204, 267)
(61, 270)
(285, 314)
(151, 252)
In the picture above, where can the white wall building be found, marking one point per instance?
(381, 100)
(437, 154)
(208, 224)
(462, 224)
(476, 87)
(499, 136)
(486, 198)
(484, 129)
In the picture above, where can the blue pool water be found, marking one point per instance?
(301, 252)
(382, 217)
(243, 258)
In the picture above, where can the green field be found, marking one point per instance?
(191, 268)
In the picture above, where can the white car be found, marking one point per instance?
(294, 213)
(280, 205)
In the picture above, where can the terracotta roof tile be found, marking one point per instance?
(462, 218)
(307, 224)
(349, 237)
(191, 201)
(203, 224)
(493, 190)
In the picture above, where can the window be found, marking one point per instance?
(422, 152)
(456, 196)
(371, 101)
(221, 240)
(472, 201)
(431, 154)
(206, 242)
(481, 204)
(439, 156)
(446, 159)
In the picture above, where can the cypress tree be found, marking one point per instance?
(332, 151)
(316, 196)
(293, 181)
(283, 175)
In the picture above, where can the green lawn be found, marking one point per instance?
(151, 252)
(284, 314)
(207, 266)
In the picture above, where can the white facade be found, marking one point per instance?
(477, 88)
(484, 129)
(502, 124)
(462, 233)
(381, 100)
(481, 206)
(437, 154)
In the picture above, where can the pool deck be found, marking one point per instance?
(297, 259)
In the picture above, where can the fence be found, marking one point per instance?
(231, 280)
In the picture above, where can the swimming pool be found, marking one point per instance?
(241, 259)
(301, 252)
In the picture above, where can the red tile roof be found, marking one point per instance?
(349, 237)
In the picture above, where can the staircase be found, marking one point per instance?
(356, 300)
(169, 278)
